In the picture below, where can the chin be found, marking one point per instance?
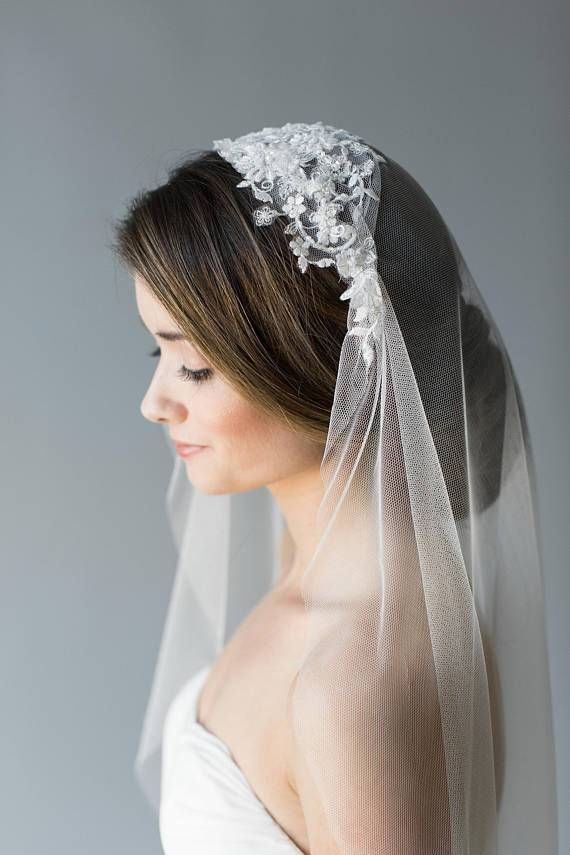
(221, 487)
(209, 486)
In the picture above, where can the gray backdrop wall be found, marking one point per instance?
(96, 100)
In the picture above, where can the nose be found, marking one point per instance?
(157, 408)
(159, 405)
(152, 418)
(149, 414)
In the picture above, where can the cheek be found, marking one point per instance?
(239, 431)
(239, 426)
(251, 447)
(226, 418)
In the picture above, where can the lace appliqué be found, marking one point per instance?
(326, 182)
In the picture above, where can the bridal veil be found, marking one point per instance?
(421, 705)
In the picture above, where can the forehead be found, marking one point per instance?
(152, 312)
(156, 319)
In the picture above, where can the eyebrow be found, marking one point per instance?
(172, 336)
(168, 336)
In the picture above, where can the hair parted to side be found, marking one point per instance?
(235, 290)
(276, 333)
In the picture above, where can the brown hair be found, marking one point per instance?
(235, 289)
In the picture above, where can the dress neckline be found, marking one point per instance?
(200, 678)
(198, 681)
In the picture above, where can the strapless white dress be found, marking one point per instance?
(207, 805)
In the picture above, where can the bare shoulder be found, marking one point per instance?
(372, 732)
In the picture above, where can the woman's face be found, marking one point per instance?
(244, 447)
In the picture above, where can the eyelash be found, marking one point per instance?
(186, 373)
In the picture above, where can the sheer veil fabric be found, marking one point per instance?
(421, 704)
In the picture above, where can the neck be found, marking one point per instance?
(298, 498)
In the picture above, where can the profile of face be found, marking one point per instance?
(244, 447)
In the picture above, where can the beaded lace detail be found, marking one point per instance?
(325, 182)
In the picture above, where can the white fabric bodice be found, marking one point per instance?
(207, 805)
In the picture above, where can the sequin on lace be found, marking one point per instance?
(325, 182)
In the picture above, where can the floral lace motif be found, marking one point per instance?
(326, 182)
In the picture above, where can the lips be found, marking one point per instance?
(187, 450)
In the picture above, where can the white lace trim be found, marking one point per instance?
(321, 179)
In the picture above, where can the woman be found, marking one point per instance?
(385, 689)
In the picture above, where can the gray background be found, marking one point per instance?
(97, 99)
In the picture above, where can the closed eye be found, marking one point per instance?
(187, 373)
